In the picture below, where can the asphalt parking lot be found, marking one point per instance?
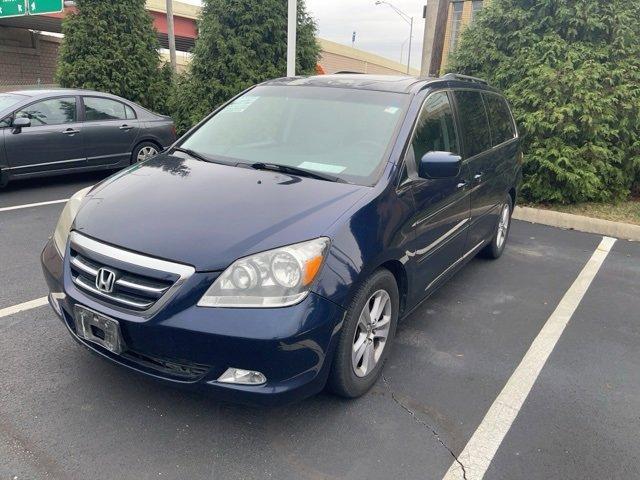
(66, 414)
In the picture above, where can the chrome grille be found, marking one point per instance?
(142, 284)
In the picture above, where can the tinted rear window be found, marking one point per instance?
(473, 119)
(500, 119)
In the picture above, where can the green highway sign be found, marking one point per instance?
(12, 8)
(16, 8)
(39, 7)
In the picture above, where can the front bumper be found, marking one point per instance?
(192, 346)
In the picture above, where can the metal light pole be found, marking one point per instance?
(291, 38)
(407, 19)
(172, 36)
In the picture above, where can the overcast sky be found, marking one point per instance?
(378, 28)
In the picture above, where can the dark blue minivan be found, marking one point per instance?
(272, 250)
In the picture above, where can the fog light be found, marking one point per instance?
(242, 377)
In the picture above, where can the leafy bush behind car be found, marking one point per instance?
(572, 73)
(111, 46)
(239, 44)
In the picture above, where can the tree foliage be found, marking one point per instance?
(241, 43)
(571, 70)
(111, 46)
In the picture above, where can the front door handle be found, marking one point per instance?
(478, 177)
(70, 131)
(461, 185)
(126, 127)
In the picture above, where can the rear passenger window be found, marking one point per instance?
(435, 131)
(500, 119)
(473, 119)
(96, 109)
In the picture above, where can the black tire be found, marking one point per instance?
(501, 234)
(142, 146)
(343, 379)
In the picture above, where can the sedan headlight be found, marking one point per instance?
(275, 278)
(68, 215)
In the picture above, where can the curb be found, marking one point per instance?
(578, 222)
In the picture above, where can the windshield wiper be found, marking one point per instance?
(303, 172)
(197, 156)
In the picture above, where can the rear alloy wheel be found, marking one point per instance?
(144, 151)
(501, 234)
(367, 333)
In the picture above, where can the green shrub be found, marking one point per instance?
(572, 73)
(240, 43)
(111, 46)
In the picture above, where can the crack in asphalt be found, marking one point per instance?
(424, 424)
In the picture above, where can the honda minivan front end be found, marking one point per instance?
(274, 247)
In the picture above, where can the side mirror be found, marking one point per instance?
(20, 123)
(440, 165)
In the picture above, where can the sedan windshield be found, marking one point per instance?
(7, 100)
(342, 132)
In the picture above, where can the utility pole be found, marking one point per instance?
(172, 37)
(410, 39)
(291, 38)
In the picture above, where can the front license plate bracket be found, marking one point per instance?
(99, 329)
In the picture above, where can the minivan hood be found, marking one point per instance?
(208, 215)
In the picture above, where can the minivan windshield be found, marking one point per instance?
(337, 131)
(7, 100)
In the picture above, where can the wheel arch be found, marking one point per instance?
(399, 272)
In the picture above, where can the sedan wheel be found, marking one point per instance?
(146, 152)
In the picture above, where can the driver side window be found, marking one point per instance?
(435, 131)
(55, 111)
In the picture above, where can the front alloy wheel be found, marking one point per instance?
(371, 333)
(366, 337)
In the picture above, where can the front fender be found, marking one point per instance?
(374, 234)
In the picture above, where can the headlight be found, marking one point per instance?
(66, 219)
(276, 278)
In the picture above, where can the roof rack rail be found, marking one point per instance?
(465, 78)
(348, 72)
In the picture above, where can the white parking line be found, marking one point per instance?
(483, 445)
(30, 205)
(38, 302)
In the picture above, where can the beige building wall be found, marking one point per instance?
(336, 57)
(466, 19)
(180, 9)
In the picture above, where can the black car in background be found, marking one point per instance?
(57, 131)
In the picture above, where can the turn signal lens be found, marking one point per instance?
(311, 269)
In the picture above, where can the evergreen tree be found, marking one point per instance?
(241, 43)
(571, 70)
(111, 46)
